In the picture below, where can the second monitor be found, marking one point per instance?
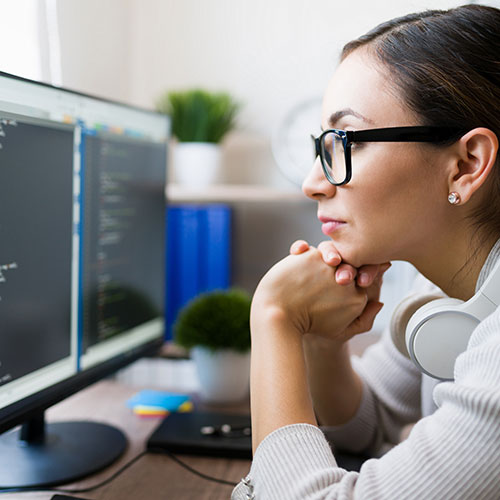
(82, 253)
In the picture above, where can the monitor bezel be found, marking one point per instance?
(83, 94)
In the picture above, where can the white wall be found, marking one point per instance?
(95, 47)
(19, 26)
(269, 54)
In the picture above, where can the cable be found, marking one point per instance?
(108, 480)
(190, 469)
(117, 473)
(77, 490)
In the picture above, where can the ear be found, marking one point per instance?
(477, 154)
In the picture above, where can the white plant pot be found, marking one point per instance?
(224, 375)
(197, 164)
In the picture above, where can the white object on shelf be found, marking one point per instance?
(197, 164)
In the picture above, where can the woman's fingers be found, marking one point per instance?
(375, 283)
(345, 274)
(330, 254)
(327, 249)
(298, 247)
(364, 322)
(368, 274)
(365, 276)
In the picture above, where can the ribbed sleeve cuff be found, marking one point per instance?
(295, 458)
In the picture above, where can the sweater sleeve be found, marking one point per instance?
(391, 396)
(450, 454)
(390, 400)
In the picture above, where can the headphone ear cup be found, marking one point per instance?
(402, 314)
(437, 333)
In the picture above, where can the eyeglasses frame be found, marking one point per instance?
(431, 134)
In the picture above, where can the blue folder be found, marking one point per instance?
(198, 254)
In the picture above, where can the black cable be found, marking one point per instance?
(117, 473)
(77, 490)
(190, 469)
(108, 480)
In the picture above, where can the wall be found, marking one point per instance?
(95, 47)
(270, 54)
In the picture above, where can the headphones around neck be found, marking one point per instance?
(436, 332)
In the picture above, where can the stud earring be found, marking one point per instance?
(454, 198)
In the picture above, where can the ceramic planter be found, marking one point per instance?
(197, 164)
(224, 375)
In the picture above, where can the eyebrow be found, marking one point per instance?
(335, 117)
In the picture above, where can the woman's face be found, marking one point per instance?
(396, 201)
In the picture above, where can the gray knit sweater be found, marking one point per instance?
(453, 452)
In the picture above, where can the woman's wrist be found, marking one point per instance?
(334, 386)
(269, 318)
(279, 390)
(316, 344)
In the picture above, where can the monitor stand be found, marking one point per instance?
(42, 454)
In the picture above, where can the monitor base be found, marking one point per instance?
(59, 453)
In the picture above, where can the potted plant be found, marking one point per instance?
(200, 120)
(215, 326)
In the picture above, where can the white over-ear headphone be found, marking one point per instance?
(440, 330)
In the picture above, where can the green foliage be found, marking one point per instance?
(216, 320)
(198, 115)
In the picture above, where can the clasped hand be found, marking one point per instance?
(316, 293)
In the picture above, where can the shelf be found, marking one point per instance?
(233, 193)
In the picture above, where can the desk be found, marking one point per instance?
(153, 476)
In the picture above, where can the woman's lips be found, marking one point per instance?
(330, 225)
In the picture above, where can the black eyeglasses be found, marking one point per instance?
(334, 146)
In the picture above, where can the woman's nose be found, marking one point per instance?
(316, 185)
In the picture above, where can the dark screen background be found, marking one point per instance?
(36, 204)
(124, 227)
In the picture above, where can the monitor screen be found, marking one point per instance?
(123, 245)
(82, 245)
(36, 254)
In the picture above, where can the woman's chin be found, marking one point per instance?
(351, 258)
(358, 257)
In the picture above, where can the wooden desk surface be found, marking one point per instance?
(153, 476)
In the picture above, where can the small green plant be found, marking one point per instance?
(215, 320)
(198, 115)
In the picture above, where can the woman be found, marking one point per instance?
(429, 196)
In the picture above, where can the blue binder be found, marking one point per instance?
(215, 255)
(198, 254)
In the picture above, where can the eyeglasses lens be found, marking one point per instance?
(332, 151)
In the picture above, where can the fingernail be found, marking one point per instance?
(364, 279)
(345, 275)
(331, 256)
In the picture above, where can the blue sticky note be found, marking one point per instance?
(169, 401)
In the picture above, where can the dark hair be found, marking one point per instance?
(446, 65)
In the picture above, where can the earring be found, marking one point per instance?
(454, 198)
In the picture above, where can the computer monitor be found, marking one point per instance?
(82, 252)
